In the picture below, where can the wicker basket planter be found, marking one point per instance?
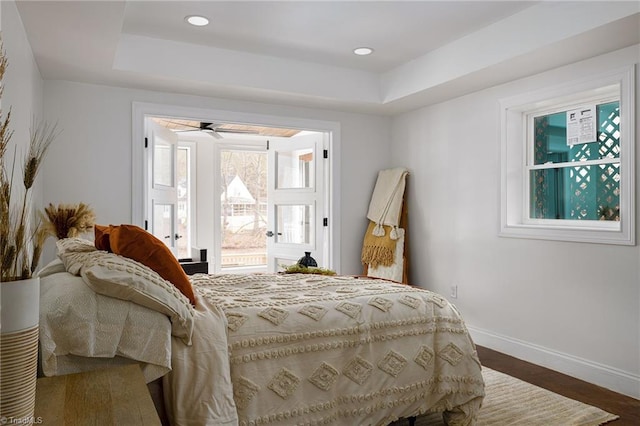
(19, 312)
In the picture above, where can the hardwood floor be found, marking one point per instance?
(627, 408)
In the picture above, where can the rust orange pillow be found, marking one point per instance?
(102, 237)
(135, 243)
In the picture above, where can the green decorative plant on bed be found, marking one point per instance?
(299, 269)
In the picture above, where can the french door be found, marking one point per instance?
(272, 203)
(260, 211)
(296, 200)
(162, 192)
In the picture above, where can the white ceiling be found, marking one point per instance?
(322, 32)
(299, 52)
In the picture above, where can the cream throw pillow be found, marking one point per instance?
(74, 245)
(72, 252)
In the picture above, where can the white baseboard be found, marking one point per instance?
(589, 371)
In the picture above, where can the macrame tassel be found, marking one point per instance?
(378, 231)
(394, 233)
(375, 256)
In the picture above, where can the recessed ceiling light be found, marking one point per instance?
(363, 51)
(197, 20)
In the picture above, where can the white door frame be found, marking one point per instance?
(139, 195)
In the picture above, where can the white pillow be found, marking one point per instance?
(122, 278)
(54, 267)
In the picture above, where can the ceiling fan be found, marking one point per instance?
(214, 129)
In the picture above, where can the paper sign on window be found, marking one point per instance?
(581, 125)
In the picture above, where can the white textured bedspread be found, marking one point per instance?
(311, 350)
(81, 330)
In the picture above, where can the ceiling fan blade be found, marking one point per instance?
(209, 132)
(223, 130)
(214, 129)
(212, 133)
(180, 123)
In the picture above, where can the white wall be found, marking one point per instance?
(91, 161)
(574, 307)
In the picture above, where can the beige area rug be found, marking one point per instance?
(510, 402)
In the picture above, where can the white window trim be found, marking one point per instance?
(514, 212)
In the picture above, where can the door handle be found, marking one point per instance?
(178, 236)
(269, 233)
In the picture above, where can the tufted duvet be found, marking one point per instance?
(312, 350)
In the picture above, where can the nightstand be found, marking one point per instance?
(191, 268)
(113, 396)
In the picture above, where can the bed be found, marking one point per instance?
(262, 349)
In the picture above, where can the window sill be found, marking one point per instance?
(584, 234)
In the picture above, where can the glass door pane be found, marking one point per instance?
(294, 224)
(183, 238)
(243, 209)
(295, 168)
(163, 218)
(162, 163)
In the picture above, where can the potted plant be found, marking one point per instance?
(22, 236)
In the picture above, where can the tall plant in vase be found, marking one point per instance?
(22, 236)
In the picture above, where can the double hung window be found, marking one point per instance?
(568, 162)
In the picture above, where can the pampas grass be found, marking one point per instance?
(68, 220)
(21, 235)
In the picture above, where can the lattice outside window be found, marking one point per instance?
(576, 181)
